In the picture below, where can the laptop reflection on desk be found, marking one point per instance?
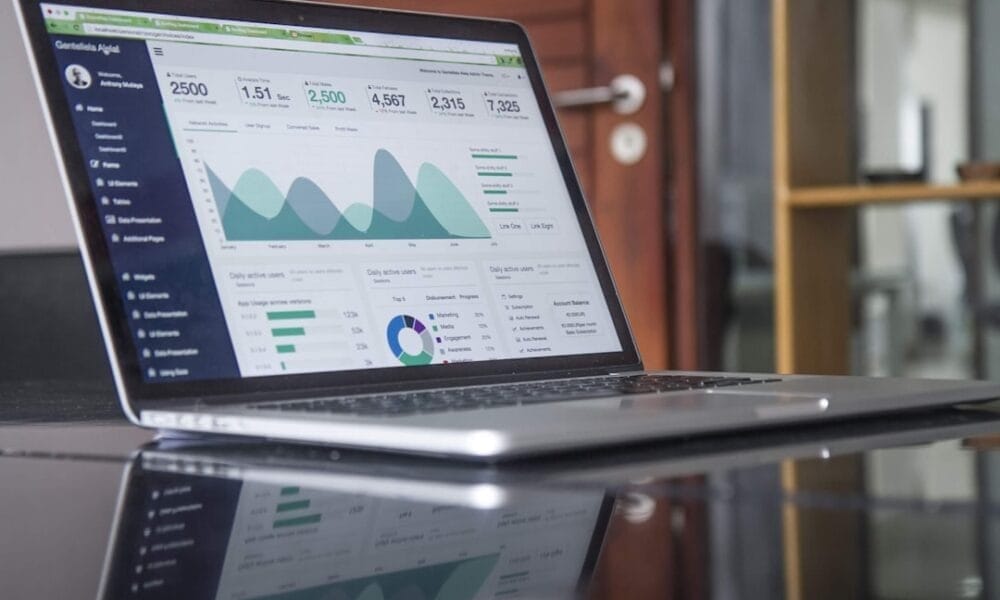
(188, 527)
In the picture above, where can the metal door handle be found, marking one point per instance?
(626, 95)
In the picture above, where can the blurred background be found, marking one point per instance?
(783, 193)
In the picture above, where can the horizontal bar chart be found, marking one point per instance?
(293, 505)
(297, 521)
(288, 331)
(289, 315)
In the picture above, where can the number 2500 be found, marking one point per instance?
(187, 88)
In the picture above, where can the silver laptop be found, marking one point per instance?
(362, 228)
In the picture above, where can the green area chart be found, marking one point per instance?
(256, 210)
(459, 580)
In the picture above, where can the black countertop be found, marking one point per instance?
(900, 507)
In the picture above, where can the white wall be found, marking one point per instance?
(914, 51)
(33, 205)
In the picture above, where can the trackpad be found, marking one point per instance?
(765, 405)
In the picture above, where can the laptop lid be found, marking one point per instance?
(285, 197)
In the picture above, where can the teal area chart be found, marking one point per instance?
(255, 209)
(459, 580)
(402, 323)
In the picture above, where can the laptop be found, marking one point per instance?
(362, 228)
(201, 527)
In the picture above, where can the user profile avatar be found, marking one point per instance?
(78, 77)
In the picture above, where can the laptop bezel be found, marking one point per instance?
(138, 394)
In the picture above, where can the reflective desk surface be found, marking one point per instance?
(902, 507)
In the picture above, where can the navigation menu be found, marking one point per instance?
(143, 204)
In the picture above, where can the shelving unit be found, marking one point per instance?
(815, 207)
(815, 198)
(860, 195)
(815, 204)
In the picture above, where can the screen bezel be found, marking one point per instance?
(303, 14)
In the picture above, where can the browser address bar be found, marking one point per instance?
(234, 40)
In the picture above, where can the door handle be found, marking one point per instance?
(626, 95)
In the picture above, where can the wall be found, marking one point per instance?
(33, 205)
(913, 52)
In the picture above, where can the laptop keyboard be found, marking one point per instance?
(496, 396)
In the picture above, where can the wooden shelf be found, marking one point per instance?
(857, 195)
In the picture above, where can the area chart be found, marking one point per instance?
(255, 209)
(459, 580)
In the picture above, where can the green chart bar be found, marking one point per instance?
(496, 156)
(288, 331)
(509, 210)
(495, 192)
(286, 349)
(494, 174)
(290, 490)
(306, 520)
(287, 315)
(295, 505)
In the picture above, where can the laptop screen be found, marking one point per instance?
(281, 200)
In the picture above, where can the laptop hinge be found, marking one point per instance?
(387, 388)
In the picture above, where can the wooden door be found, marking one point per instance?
(582, 43)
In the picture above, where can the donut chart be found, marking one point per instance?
(396, 327)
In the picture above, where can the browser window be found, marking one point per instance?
(282, 200)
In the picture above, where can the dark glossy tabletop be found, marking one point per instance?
(900, 507)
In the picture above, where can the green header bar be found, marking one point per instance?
(181, 25)
(74, 27)
(62, 23)
(113, 19)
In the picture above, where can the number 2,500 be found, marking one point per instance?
(187, 88)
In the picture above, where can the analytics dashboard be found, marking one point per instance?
(282, 200)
